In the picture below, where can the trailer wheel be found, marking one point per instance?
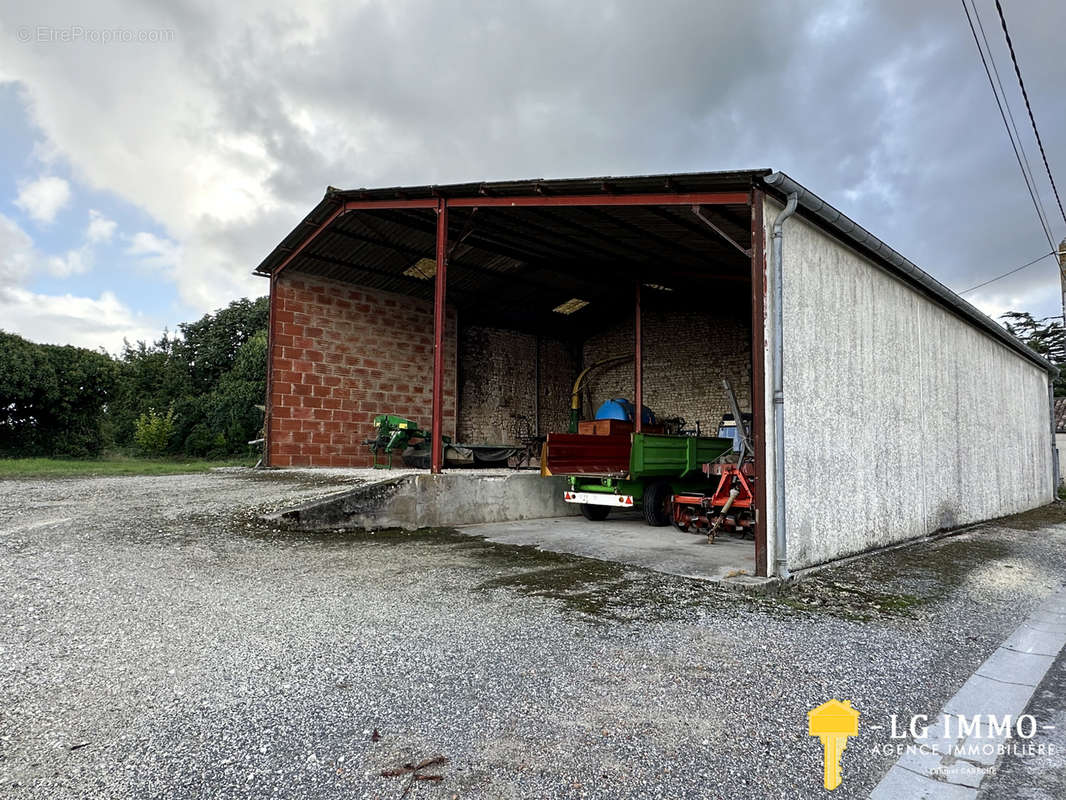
(595, 513)
(658, 504)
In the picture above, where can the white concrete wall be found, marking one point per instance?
(900, 418)
(1060, 441)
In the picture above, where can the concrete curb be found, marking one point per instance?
(947, 763)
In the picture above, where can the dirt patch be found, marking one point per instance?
(608, 591)
(848, 600)
(1051, 514)
(895, 584)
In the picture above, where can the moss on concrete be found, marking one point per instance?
(892, 584)
(1051, 514)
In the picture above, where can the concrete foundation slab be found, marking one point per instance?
(627, 539)
(413, 500)
(522, 509)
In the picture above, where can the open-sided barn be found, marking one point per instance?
(884, 406)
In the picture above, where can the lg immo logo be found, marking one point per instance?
(964, 736)
(959, 739)
(833, 722)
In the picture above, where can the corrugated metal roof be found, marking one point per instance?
(515, 264)
(641, 184)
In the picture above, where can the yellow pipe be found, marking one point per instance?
(576, 394)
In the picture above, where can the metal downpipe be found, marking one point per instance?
(1056, 476)
(780, 539)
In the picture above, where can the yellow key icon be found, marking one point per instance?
(833, 722)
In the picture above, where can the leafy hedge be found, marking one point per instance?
(53, 399)
(69, 401)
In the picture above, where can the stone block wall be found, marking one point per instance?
(686, 355)
(499, 379)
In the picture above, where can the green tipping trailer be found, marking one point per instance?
(627, 471)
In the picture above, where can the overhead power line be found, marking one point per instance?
(1029, 108)
(1014, 145)
(1006, 274)
(1030, 179)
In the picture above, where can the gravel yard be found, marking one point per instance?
(155, 641)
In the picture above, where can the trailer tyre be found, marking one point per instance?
(595, 513)
(658, 504)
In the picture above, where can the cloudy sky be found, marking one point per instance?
(154, 152)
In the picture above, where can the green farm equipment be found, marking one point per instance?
(395, 435)
(630, 470)
(413, 443)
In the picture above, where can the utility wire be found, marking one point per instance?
(1006, 124)
(1030, 180)
(1005, 274)
(1029, 108)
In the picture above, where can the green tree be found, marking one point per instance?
(53, 398)
(154, 431)
(203, 373)
(150, 376)
(233, 407)
(199, 441)
(1046, 336)
(74, 402)
(209, 346)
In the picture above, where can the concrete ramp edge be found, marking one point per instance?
(433, 501)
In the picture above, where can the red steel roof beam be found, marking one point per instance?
(660, 199)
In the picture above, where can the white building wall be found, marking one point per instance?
(900, 418)
(1060, 442)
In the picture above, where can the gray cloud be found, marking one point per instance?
(882, 108)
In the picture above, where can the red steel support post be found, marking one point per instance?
(268, 403)
(439, 320)
(638, 367)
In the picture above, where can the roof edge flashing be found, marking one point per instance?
(851, 230)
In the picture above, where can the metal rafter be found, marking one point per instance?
(685, 222)
(356, 267)
(637, 230)
(583, 230)
(698, 212)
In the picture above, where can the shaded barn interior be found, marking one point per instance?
(535, 292)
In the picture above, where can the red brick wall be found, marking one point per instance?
(340, 355)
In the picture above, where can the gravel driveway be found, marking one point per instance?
(156, 642)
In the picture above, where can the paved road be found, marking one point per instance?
(155, 642)
(1036, 768)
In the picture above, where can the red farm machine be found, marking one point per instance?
(731, 505)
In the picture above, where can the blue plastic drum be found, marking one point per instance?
(620, 408)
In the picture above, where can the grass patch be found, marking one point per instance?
(14, 468)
